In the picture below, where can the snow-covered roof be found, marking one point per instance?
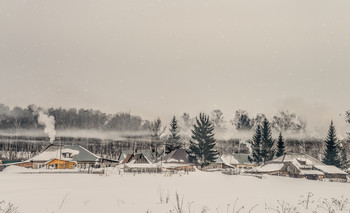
(145, 152)
(272, 167)
(132, 158)
(176, 156)
(228, 159)
(218, 159)
(77, 153)
(242, 159)
(330, 169)
(311, 172)
(301, 161)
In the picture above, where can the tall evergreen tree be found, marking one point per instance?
(256, 147)
(174, 140)
(280, 146)
(332, 152)
(201, 150)
(267, 143)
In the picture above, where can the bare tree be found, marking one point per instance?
(156, 131)
(241, 120)
(286, 121)
(217, 118)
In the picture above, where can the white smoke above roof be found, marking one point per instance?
(49, 123)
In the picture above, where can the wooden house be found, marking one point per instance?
(176, 160)
(331, 172)
(75, 153)
(108, 163)
(147, 153)
(139, 163)
(238, 161)
(301, 166)
(218, 164)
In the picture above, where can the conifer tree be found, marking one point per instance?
(267, 143)
(332, 152)
(280, 146)
(256, 147)
(174, 140)
(201, 150)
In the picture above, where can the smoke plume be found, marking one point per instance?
(49, 123)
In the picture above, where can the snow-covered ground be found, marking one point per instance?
(116, 192)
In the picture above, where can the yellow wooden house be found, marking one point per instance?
(59, 164)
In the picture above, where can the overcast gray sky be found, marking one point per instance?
(159, 58)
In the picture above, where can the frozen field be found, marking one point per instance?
(201, 192)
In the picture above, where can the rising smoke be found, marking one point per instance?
(49, 123)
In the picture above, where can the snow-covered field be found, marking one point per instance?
(211, 192)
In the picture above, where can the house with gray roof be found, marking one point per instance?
(147, 153)
(300, 166)
(176, 160)
(238, 160)
(83, 157)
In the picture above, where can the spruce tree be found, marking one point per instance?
(174, 140)
(201, 150)
(280, 146)
(267, 143)
(256, 147)
(332, 155)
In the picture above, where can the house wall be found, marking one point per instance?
(60, 164)
(336, 176)
(188, 168)
(214, 166)
(25, 164)
(244, 166)
(142, 170)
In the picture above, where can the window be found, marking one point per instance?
(66, 154)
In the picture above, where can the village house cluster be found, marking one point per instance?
(65, 157)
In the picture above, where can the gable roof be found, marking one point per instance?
(176, 156)
(147, 153)
(134, 158)
(273, 167)
(218, 160)
(241, 159)
(301, 161)
(330, 169)
(78, 153)
(127, 158)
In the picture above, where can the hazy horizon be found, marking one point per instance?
(162, 58)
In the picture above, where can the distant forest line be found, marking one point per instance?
(27, 118)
